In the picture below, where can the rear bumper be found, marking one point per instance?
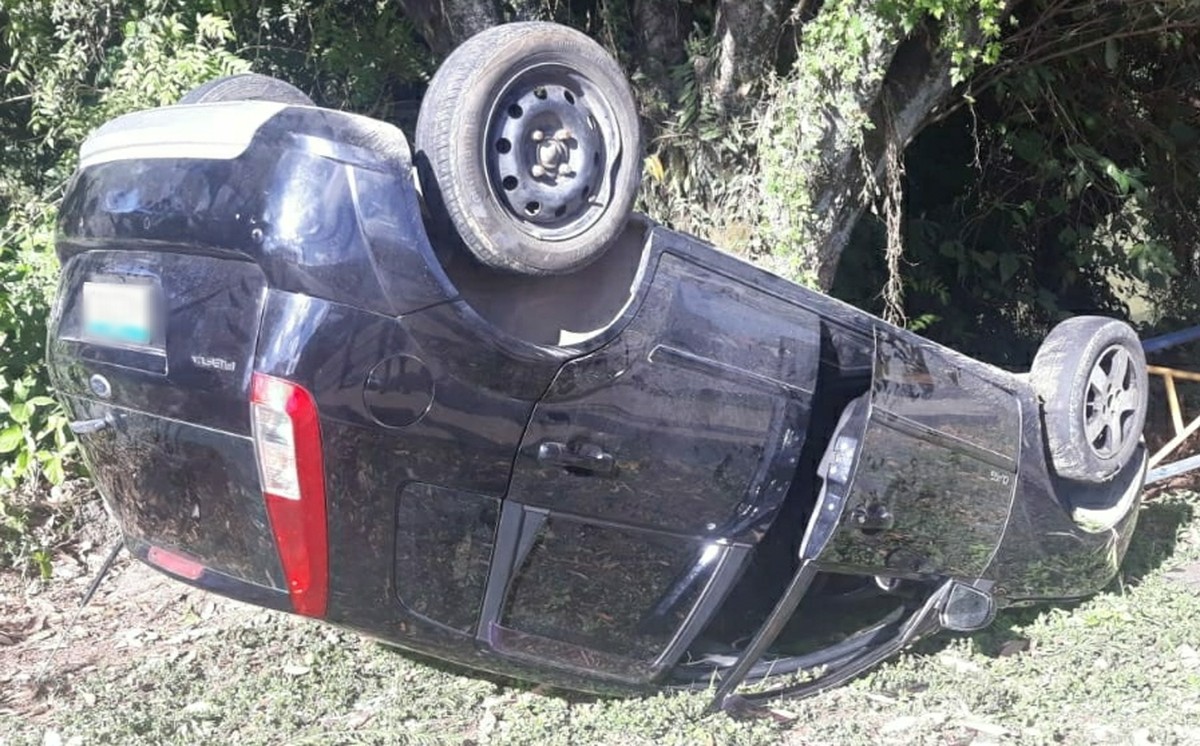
(215, 581)
(182, 487)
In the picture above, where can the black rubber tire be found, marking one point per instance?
(246, 87)
(459, 177)
(1090, 374)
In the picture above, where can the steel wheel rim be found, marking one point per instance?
(1111, 402)
(551, 146)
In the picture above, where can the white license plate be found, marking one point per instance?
(118, 313)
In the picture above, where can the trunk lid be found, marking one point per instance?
(152, 353)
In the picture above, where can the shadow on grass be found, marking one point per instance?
(1154, 538)
(500, 680)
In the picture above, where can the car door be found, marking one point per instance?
(919, 478)
(650, 459)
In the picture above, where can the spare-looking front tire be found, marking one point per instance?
(246, 87)
(1090, 373)
(528, 147)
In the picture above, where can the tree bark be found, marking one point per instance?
(824, 141)
(917, 82)
(444, 24)
(661, 28)
(747, 31)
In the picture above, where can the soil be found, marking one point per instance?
(48, 642)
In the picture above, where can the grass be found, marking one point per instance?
(1121, 667)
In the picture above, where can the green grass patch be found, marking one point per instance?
(1123, 666)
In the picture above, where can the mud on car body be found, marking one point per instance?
(314, 376)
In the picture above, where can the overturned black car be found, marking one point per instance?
(474, 407)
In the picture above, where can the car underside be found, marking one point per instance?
(661, 467)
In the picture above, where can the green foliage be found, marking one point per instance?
(76, 65)
(82, 63)
(1068, 187)
(159, 58)
(66, 67)
(33, 436)
(365, 57)
(35, 447)
(701, 164)
(970, 32)
(821, 109)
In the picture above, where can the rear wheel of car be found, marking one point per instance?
(246, 87)
(1090, 373)
(528, 148)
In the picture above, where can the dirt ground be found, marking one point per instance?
(153, 661)
(47, 642)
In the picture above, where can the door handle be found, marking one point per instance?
(585, 459)
(87, 427)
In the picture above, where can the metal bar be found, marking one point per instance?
(1171, 339)
(1184, 375)
(1173, 469)
(1173, 403)
(923, 621)
(104, 568)
(1173, 443)
(774, 624)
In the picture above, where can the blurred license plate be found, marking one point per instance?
(118, 313)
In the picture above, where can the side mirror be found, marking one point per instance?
(967, 608)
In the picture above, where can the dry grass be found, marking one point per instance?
(154, 662)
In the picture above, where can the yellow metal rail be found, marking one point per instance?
(1182, 431)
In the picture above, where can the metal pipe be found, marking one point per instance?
(1184, 375)
(1171, 339)
(1173, 469)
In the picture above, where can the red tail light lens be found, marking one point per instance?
(175, 563)
(287, 444)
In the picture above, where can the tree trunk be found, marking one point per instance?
(824, 139)
(444, 24)
(660, 28)
(747, 31)
(917, 82)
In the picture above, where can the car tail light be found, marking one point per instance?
(287, 443)
(174, 563)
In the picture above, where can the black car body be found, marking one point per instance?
(607, 480)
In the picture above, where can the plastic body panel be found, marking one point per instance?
(573, 513)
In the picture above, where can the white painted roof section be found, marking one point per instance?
(217, 131)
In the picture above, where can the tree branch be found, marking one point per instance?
(1001, 71)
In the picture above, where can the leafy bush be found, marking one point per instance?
(1067, 186)
(67, 67)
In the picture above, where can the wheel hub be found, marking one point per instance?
(553, 154)
(1111, 400)
(548, 155)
